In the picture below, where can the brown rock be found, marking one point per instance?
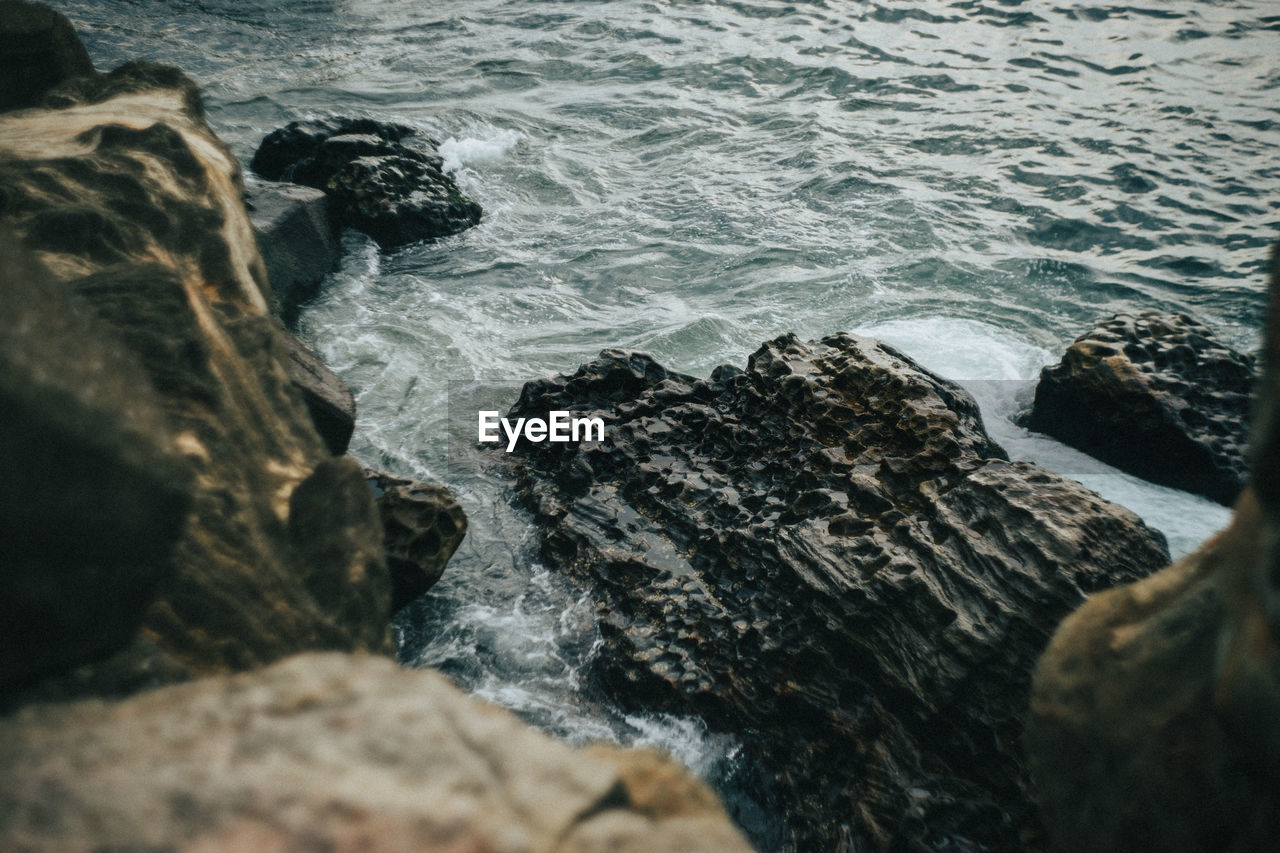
(1157, 395)
(136, 209)
(39, 50)
(422, 526)
(333, 752)
(1155, 712)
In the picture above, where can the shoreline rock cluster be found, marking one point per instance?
(172, 514)
(822, 553)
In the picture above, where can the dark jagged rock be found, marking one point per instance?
(136, 211)
(329, 401)
(1155, 716)
(39, 50)
(1156, 395)
(381, 178)
(297, 239)
(827, 555)
(422, 526)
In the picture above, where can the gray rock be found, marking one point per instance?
(1157, 395)
(297, 240)
(329, 401)
(826, 555)
(333, 752)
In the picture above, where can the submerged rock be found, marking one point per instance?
(1156, 395)
(333, 752)
(1155, 716)
(381, 178)
(422, 526)
(135, 210)
(826, 554)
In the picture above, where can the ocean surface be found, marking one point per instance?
(974, 182)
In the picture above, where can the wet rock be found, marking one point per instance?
(381, 178)
(39, 50)
(135, 209)
(332, 752)
(1153, 720)
(422, 526)
(827, 555)
(329, 401)
(297, 239)
(1157, 395)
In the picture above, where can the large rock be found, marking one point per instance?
(135, 209)
(827, 555)
(94, 497)
(1155, 717)
(333, 752)
(38, 51)
(1156, 395)
(422, 525)
(381, 178)
(297, 239)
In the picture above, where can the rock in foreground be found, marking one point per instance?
(134, 212)
(331, 752)
(422, 526)
(1155, 718)
(1156, 395)
(381, 178)
(827, 555)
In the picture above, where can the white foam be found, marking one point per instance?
(470, 150)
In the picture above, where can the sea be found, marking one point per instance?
(974, 181)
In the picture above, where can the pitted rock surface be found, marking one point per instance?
(826, 554)
(1157, 395)
(422, 526)
(381, 178)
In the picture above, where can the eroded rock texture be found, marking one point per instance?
(422, 526)
(381, 178)
(1156, 395)
(333, 752)
(134, 209)
(826, 554)
(1155, 716)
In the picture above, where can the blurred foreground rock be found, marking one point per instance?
(1156, 395)
(333, 752)
(1155, 716)
(132, 211)
(827, 555)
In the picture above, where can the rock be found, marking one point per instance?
(1156, 395)
(329, 401)
(39, 50)
(826, 555)
(381, 178)
(135, 209)
(297, 240)
(332, 752)
(94, 498)
(1154, 714)
(422, 526)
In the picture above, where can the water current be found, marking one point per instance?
(974, 182)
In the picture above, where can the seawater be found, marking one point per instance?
(975, 182)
